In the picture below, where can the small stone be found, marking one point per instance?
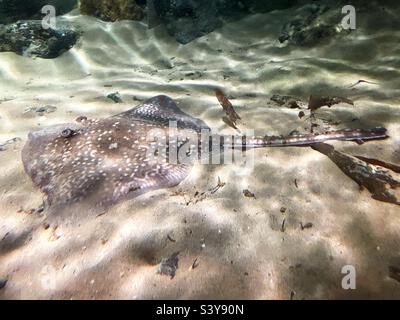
(29, 39)
(113, 10)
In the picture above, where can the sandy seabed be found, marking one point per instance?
(239, 244)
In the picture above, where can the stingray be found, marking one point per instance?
(109, 160)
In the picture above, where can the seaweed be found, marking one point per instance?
(316, 102)
(379, 182)
(232, 116)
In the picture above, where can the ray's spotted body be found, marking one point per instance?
(108, 159)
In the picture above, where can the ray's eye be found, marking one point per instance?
(67, 133)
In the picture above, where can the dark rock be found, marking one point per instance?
(113, 10)
(382, 185)
(314, 24)
(187, 20)
(29, 38)
(169, 265)
(14, 10)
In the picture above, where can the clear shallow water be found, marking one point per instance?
(245, 59)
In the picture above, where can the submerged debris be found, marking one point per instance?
(195, 264)
(379, 182)
(112, 10)
(198, 195)
(168, 266)
(248, 194)
(28, 38)
(306, 226)
(55, 234)
(286, 101)
(41, 109)
(316, 102)
(187, 20)
(170, 238)
(283, 225)
(362, 81)
(232, 116)
(3, 283)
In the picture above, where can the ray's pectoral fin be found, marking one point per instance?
(152, 177)
(100, 162)
(162, 109)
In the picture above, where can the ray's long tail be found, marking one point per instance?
(305, 139)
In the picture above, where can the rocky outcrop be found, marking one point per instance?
(313, 24)
(29, 38)
(187, 20)
(113, 10)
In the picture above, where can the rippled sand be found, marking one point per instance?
(237, 241)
